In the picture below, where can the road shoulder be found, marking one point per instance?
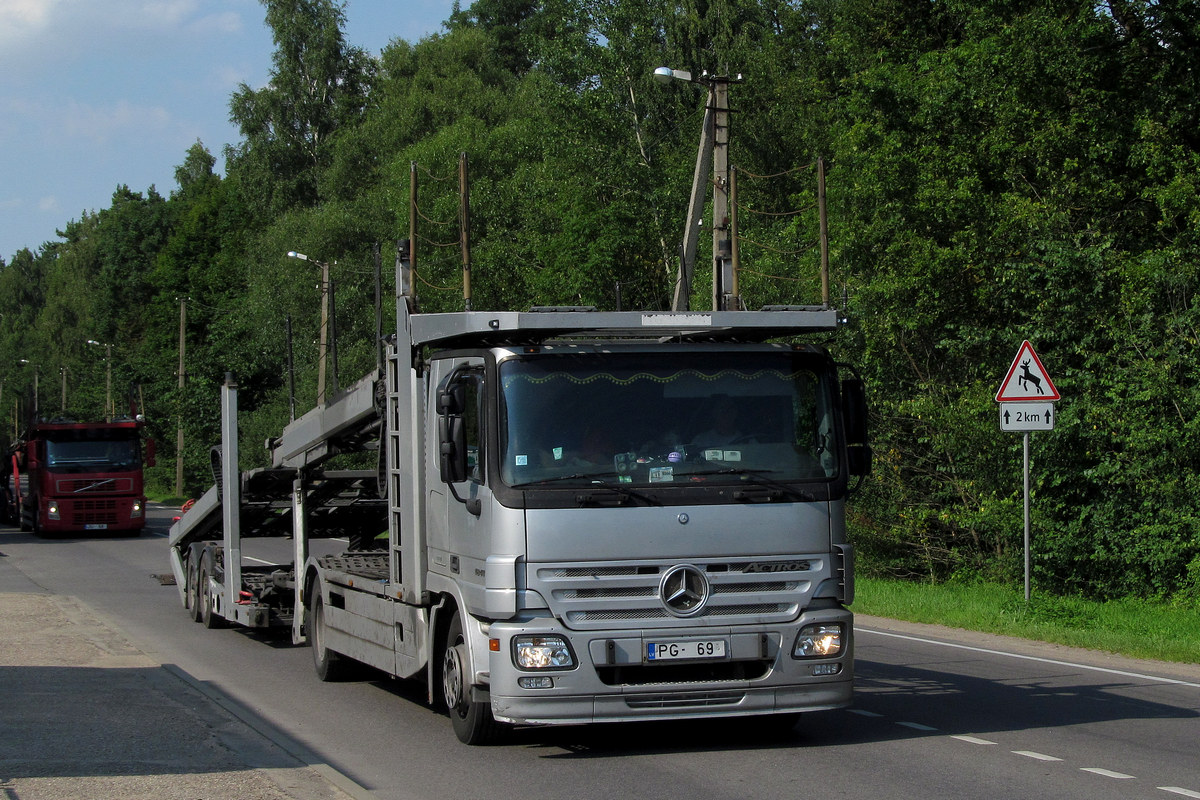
(87, 714)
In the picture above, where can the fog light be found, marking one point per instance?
(542, 652)
(52, 509)
(136, 510)
(818, 641)
(536, 682)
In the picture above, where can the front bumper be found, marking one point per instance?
(612, 681)
(97, 513)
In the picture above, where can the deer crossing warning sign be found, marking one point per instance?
(1027, 381)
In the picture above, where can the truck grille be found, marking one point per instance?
(601, 595)
(91, 512)
(94, 485)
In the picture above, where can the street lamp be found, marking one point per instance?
(713, 154)
(35, 385)
(109, 411)
(323, 347)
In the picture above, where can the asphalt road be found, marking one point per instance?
(938, 714)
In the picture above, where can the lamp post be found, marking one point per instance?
(109, 412)
(713, 155)
(35, 385)
(323, 347)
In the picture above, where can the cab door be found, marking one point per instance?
(460, 502)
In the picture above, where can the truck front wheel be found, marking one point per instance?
(473, 721)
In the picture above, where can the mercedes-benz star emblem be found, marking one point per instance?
(684, 590)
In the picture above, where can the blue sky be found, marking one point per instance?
(98, 93)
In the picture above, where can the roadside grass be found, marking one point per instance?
(1135, 628)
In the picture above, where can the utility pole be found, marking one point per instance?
(823, 216)
(109, 411)
(712, 156)
(464, 226)
(724, 283)
(35, 385)
(179, 430)
(412, 220)
(323, 346)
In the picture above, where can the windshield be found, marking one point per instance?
(628, 418)
(85, 455)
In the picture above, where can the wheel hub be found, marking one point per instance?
(453, 686)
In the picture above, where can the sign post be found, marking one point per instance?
(1026, 398)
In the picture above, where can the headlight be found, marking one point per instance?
(136, 511)
(542, 652)
(819, 641)
(52, 509)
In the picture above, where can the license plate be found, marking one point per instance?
(675, 651)
(96, 526)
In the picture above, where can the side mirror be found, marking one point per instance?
(453, 463)
(151, 451)
(854, 413)
(453, 444)
(452, 400)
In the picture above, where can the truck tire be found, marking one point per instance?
(473, 721)
(330, 666)
(191, 593)
(207, 615)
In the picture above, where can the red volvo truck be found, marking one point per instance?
(81, 476)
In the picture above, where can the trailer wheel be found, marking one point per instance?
(191, 594)
(473, 721)
(330, 666)
(207, 615)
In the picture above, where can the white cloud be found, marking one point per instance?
(103, 124)
(22, 19)
(226, 23)
(48, 203)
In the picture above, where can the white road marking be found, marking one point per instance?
(916, 726)
(971, 739)
(1038, 756)
(1039, 659)
(1179, 790)
(1107, 773)
(862, 712)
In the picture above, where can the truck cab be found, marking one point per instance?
(641, 529)
(84, 476)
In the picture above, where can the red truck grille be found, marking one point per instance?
(91, 512)
(97, 486)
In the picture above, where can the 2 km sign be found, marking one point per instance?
(1027, 394)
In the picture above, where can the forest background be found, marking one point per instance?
(997, 171)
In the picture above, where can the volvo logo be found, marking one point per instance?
(684, 590)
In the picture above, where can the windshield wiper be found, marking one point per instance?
(594, 479)
(577, 476)
(759, 477)
(619, 489)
